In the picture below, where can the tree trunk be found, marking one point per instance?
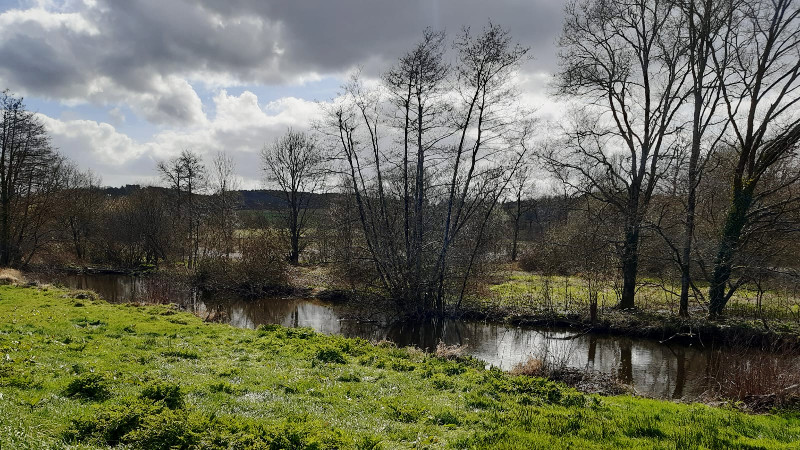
(514, 244)
(295, 200)
(294, 256)
(5, 235)
(723, 263)
(691, 202)
(630, 266)
(517, 218)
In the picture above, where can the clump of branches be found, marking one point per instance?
(427, 156)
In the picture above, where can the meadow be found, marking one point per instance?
(520, 293)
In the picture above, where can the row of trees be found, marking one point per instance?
(663, 88)
(34, 180)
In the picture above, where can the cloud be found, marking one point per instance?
(148, 54)
(160, 60)
(240, 127)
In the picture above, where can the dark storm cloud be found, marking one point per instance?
(142, 52)
(342, 33)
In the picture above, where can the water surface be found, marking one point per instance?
(653, 369)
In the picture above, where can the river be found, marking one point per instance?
(653, 369)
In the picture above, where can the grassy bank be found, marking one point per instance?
(81, 373)
(769, 320)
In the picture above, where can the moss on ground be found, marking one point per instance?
(82, 373)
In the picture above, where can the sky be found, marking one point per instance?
(123, 84)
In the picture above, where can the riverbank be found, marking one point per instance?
(85, 372)
(524, 299)
(769, 320)
(648, 325)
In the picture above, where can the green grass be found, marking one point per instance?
(87, 374)
(527, 293)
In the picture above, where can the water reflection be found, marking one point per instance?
(653, 369)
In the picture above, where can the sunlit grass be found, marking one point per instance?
(87, 374)
(528, 292)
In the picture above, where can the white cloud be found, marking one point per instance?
(144, 54)
(241, 127)
(11, 21)
(92, 143)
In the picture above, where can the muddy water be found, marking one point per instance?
(653, 369)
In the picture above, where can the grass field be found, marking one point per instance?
(524, 292)
(81, 373)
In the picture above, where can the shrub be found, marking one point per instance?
(441, 382)
(446, 417)
(331, 355)
(224, 387)
(11, 377)
(168, 429)
(260, 270)
(137, 424)
(11, 276)
(89, 386)
(349, 377)
(169, 393)
(449, 351)
(405, 411)
(532, 367)
(182, 354)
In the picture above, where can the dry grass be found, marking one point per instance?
(760, 380)
(11, 276)
(533, 367)
(449, 351)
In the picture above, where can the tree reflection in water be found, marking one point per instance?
(653, 369)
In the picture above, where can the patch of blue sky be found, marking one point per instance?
(122, 118)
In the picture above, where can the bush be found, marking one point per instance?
(331, 355)
(223, 386)
(406, 412)
(141, 424)
(442, 382)
(138, 424)
(181, 354)
(90, 386)
(169, 393)
(260, 270)
(168, 429)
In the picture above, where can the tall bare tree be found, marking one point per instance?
(81, 207)
(427, 157)
(624, 60)
(759, 74)
(224, 184)
(30, 175)
(705, 20)
(185, 176)
(521, 204)
(294, 163)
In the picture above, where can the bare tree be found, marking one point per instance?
(427, 157)
(759, 74)
(185, 175)
(705, 20)
(30, 174)
(521, 204)
(625, 61)
(224, 184)
(81, 205)
(294, 163)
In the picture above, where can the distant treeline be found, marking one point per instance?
(248, 199)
